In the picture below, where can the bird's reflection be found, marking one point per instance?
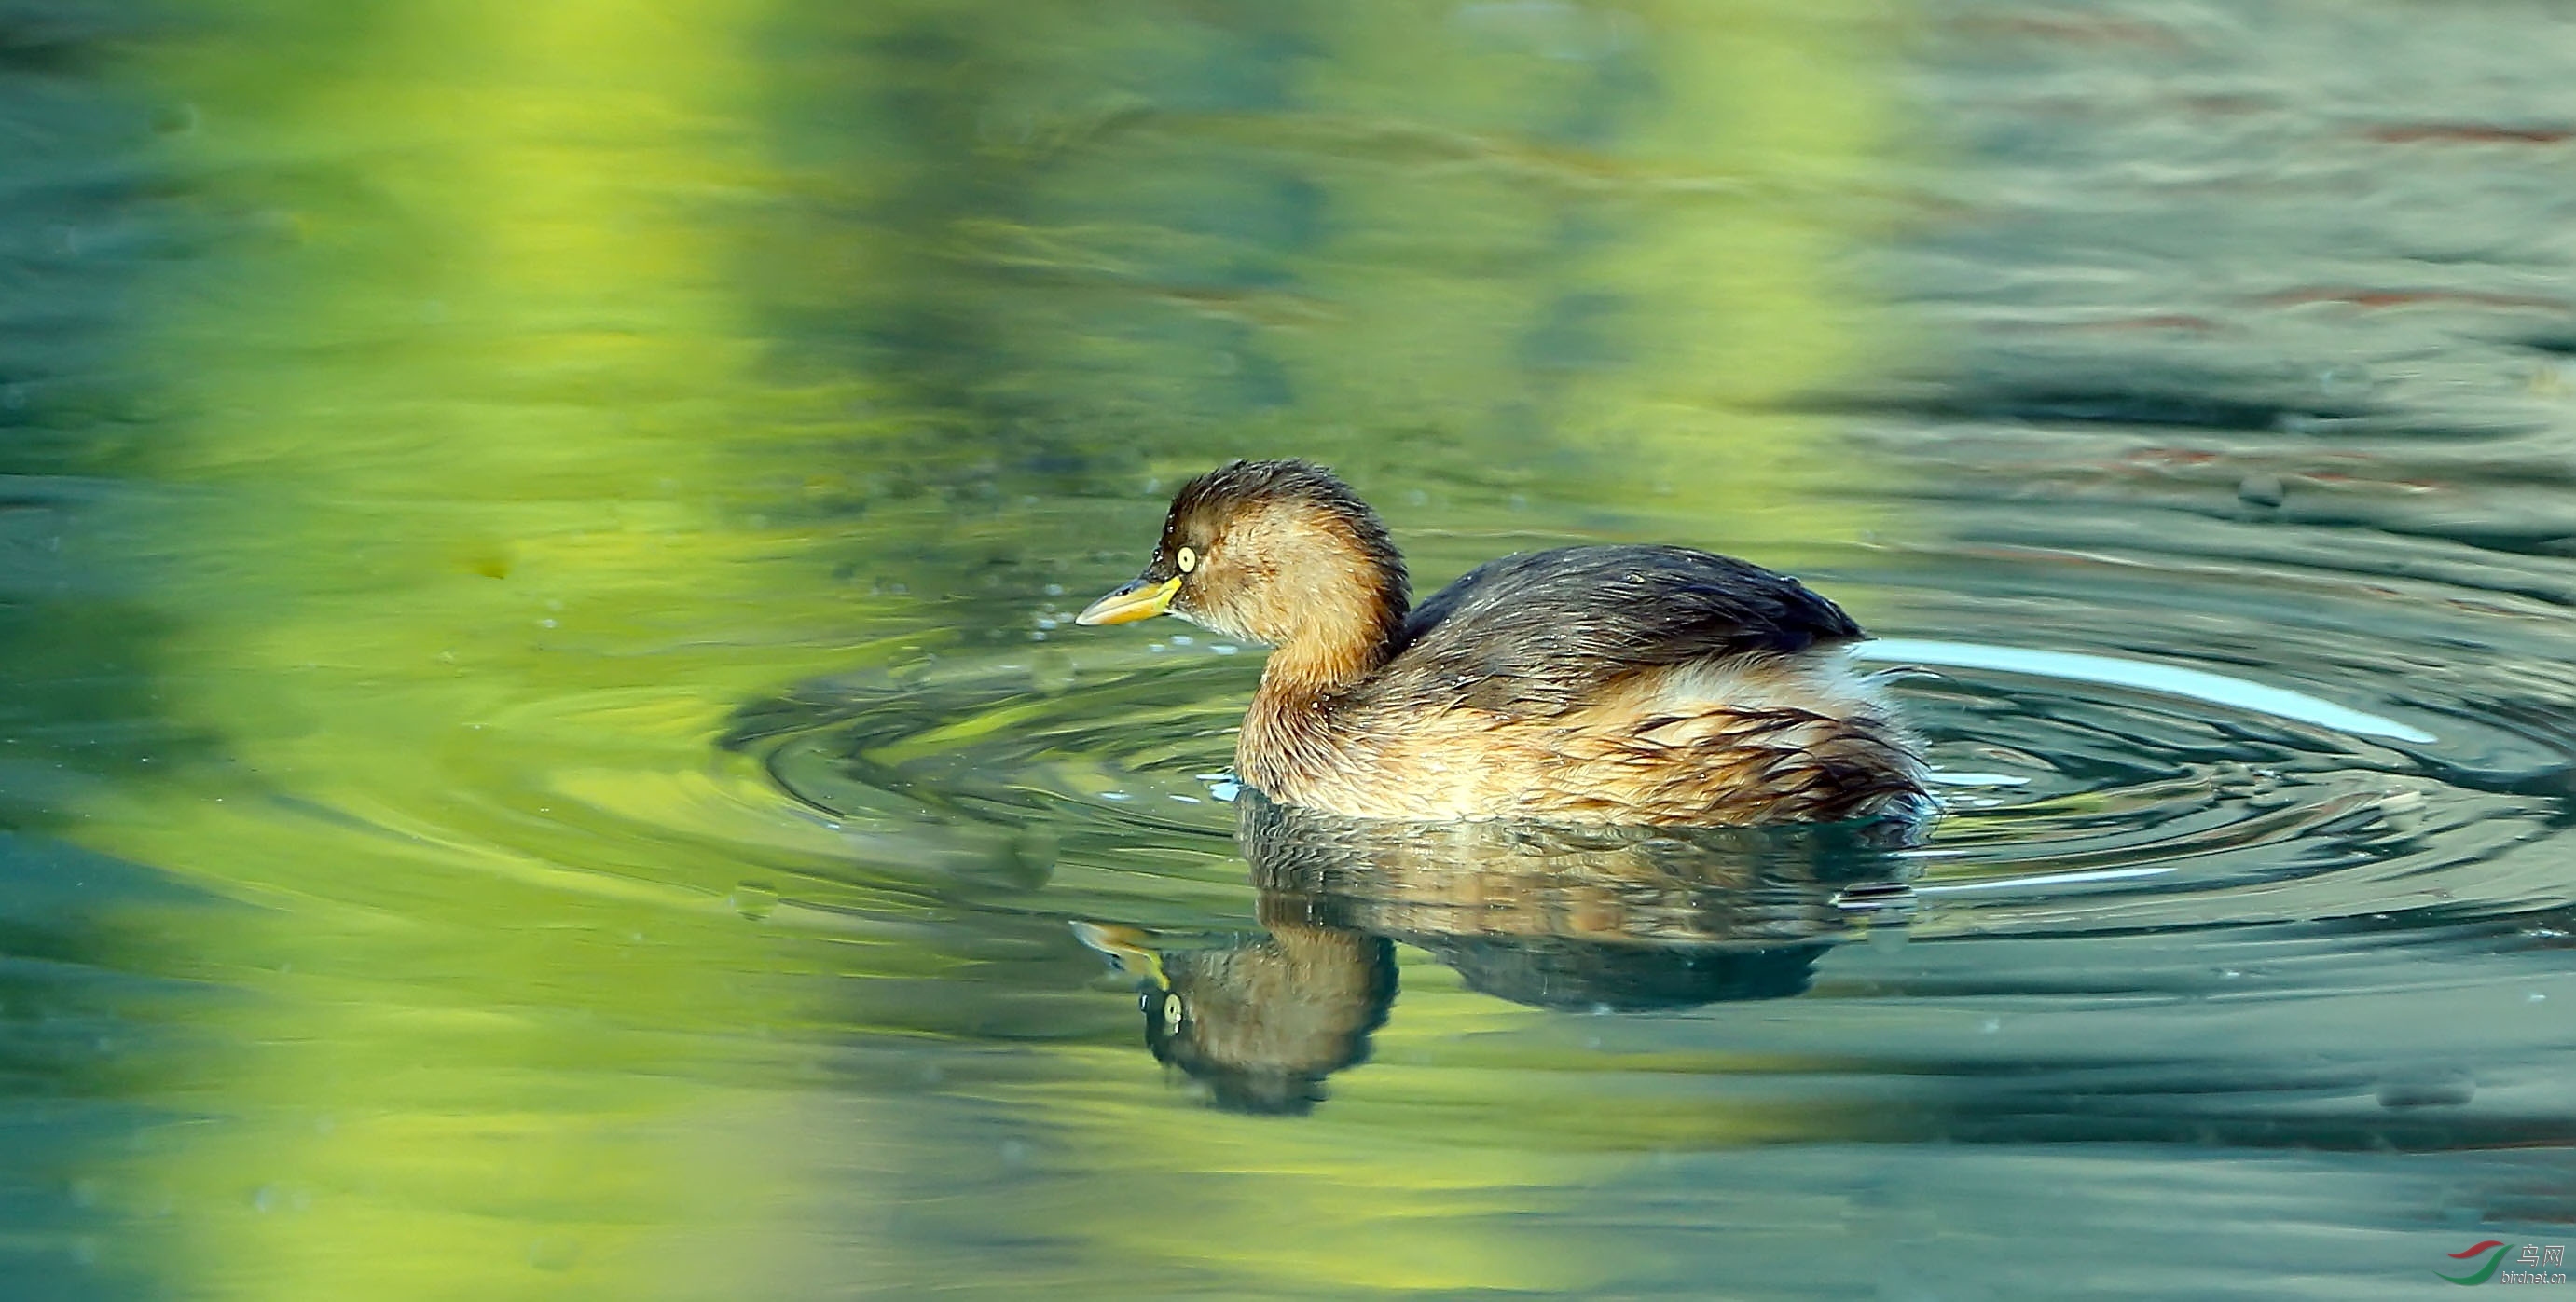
(1590, 919)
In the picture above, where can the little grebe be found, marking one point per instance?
(1587, 684)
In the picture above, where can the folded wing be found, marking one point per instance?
(1541, 633)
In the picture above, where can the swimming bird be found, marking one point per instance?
(1606, 684)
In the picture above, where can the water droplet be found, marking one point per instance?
(754, 901)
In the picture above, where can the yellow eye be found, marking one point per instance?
(1188, 560)
(1172, 1015)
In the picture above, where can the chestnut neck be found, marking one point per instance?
(1348, 633)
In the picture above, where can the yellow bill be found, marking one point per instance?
(1137, 600)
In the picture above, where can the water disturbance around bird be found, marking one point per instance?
(544, 750)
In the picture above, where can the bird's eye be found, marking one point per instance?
(1188, 560)
(1172, 1015)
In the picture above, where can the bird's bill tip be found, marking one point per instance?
(1138, 600)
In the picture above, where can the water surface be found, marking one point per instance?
(543, 753)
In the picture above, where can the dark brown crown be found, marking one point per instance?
(1205, 506)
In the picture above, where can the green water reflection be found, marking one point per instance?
(526, 388)
(451, 534)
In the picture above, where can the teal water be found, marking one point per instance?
(543, 751)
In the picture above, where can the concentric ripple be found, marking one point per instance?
(2134, 782)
